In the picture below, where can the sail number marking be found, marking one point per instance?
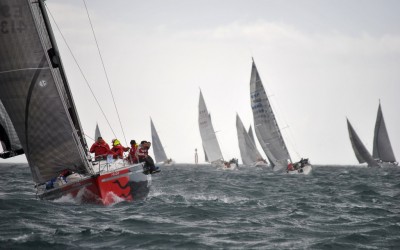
(16, 24)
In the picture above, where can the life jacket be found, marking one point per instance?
(132, 154)
(141, 153)
(118, 151)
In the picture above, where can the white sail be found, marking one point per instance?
(382, 147)
(248, 149)
(158, 149)
(208, 137)
(250, 132)
(360, 150)
(265, 124)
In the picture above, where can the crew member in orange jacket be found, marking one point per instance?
(100, 149)
(118, 150)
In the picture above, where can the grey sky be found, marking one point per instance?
(320, 61)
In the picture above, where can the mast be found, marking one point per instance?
(56, 62)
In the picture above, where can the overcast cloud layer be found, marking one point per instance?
(320, 61)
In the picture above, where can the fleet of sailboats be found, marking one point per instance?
(38, 118)
(382, 152)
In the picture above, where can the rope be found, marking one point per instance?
(81, 71)
(105, 72)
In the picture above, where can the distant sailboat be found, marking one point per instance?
(97, 133)
(382, 149)
(247, 146)
(158, 149)
(361, 152)
(266, 126)
(209, 139)
(8, 136)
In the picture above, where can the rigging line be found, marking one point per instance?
(105, 72)
(80, 69)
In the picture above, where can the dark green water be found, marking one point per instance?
(202, 207)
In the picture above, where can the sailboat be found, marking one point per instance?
(361, 152)
(158, 149)
(248, 150)
(38, 100)
(382, 149)
(267, 129)
(8, 137)
(209, 139)
(97, 133)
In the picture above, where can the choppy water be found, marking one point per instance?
(202, 207)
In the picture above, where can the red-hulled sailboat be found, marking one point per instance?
(38, 102)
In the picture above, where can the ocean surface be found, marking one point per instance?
(200, 207)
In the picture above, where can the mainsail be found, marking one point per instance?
(247, 148)
(382, 147)
(265, 124)
(97, 133)
(208, 137)
(8, 136)
(36, 94)
(158, 148)
(360, 150)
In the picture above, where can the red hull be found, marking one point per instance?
(107, 188)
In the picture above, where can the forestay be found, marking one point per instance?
(158, 149)
(208, 137)
(360, 150)
(35, 92)
(382, 147)
(265, 124)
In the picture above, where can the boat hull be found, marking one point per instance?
(304, 170)
(128, 183)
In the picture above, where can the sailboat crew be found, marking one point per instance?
(100, 149)
(118, 150)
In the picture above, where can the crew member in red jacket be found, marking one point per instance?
(132, 153)
(118, 150)
(100, 149)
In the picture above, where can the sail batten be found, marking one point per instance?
(210, 143)
(158, 149)
(36, 98)
(265, 124)
(382, 148)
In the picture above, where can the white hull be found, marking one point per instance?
(388, 164)
(261, 164)
(304, 170)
